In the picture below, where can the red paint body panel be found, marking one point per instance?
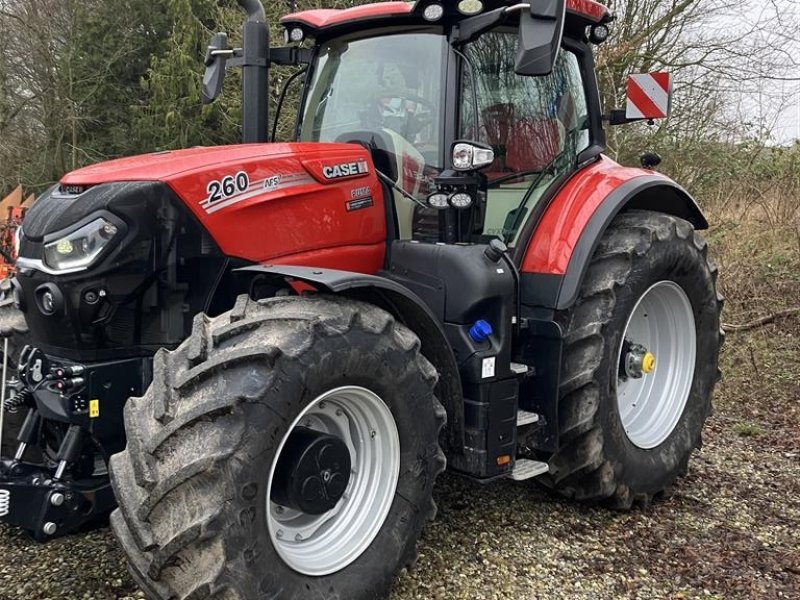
(289, 208)
(321, 18)
(324, 18)
(160, 166)
(554, 240)
(590, 9)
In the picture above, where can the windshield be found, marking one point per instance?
(391, 82)
(387, 90)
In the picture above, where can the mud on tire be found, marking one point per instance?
(597, 462)
(191, 484)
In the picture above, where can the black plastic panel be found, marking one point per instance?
(157, 273)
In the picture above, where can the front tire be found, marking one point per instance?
(198, 515)
(627, 432)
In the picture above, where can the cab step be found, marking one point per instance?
(526, 468)
(526, 418)
(520, 369)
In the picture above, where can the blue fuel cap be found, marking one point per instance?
(481, 331)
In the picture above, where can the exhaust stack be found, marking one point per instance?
(255, 73)
(254, 58)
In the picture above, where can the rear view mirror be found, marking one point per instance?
(540, 32)
(649, 96)
(216, 60)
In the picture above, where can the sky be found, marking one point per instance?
(787, 126)
(775, 101)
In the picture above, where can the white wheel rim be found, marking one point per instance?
(318, 545)
(663, 322)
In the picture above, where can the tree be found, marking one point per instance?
(718, 51)
(70, 78)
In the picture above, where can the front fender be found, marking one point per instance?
(407, 308)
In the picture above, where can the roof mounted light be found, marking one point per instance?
(599, 33)
(470, 7)
(296, 35)
(433, 12)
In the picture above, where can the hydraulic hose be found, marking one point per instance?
(3, 388)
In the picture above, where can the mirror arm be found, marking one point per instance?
(291, 56)
(471, 28)
(618, 117)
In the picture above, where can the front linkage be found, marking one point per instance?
(69, 487)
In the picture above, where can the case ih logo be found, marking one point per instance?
(350, 169)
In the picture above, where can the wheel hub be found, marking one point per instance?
(312, 473)
(637, 361)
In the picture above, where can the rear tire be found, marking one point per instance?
(192, 484)
(645, 259)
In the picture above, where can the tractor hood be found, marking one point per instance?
(130, 249)
(257, 201)
(163, 166)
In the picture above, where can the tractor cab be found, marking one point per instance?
(511, 83)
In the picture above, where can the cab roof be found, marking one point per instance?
(587, 12)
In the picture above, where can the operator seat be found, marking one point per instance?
(522, 144)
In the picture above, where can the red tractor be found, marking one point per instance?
(444, 269)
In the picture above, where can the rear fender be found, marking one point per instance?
(557, 258)
(408, 309)
(562, 246)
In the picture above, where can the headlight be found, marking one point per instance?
(80, 248)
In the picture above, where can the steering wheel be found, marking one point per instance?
(412, 121)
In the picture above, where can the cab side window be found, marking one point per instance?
(536, 125)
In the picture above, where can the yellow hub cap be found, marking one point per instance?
(648, 363)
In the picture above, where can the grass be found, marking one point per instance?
(747, 430)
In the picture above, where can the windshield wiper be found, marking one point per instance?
(393, 184)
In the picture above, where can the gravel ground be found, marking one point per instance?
(729, 530)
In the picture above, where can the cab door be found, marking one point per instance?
(537, 127)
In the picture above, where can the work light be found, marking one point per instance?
(433, 12)
(460, 200)
(469, 156)
(438, 200)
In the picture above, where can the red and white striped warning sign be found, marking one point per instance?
(649, 96)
